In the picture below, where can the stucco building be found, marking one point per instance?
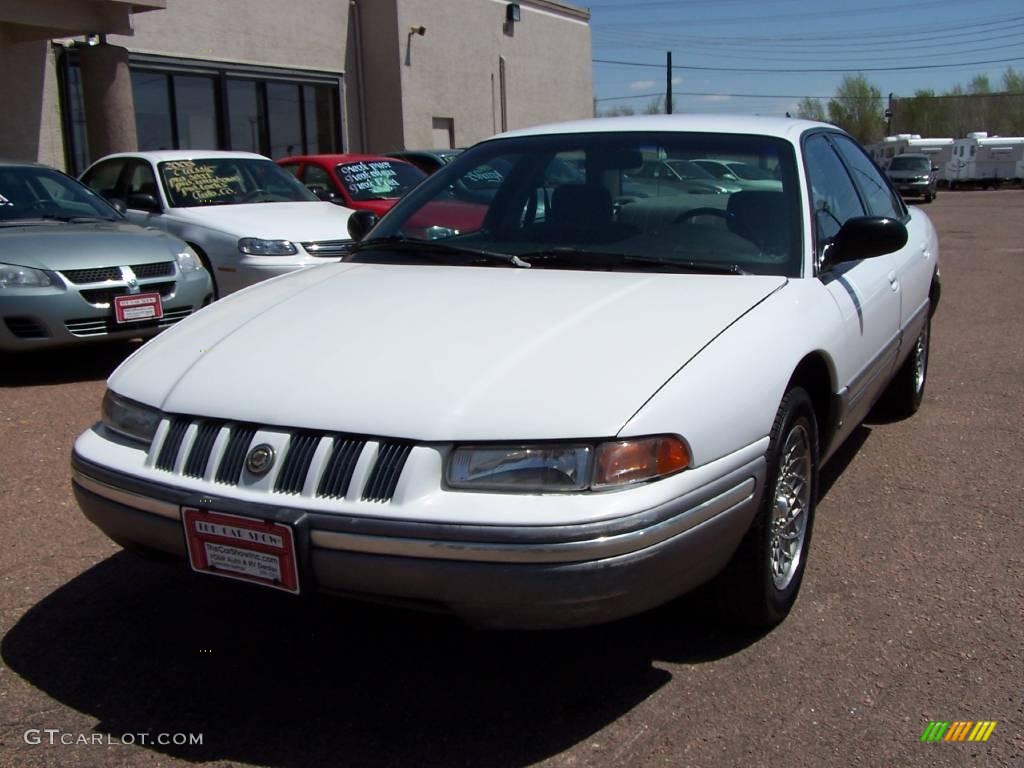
(83, 78)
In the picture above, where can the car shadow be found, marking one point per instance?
(146, 647)
(840, 460)
(89, 362)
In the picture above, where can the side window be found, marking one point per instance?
(833, 196)
(317, 180)
(142, 180)
(103, 177)
(879, 196)
(293, 168)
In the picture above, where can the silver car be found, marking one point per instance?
(72, 269)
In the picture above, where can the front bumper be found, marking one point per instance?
(58, 315)
(915, 188)
(499, 576)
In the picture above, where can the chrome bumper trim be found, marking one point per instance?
(563, 552)
(134, 500)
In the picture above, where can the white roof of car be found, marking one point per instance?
(781, 127)
(159, 156)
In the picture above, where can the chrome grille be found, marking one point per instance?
(328, 247)
(230, 469)
(96, 275)
(159, 269)
(292, 476)
(386, 471)
(199, 456)
(101, 326)
(169, 450)
(329, 473)
(340, 466)
(103, 296)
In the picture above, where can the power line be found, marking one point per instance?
(805, 70)
(1000, 95)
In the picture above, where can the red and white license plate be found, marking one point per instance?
(242, 548)
(138, 306)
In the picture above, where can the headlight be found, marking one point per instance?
(188, 260)
(13, 276)
(130, 419)
(550, 468)
(255, 246)
(521, 467)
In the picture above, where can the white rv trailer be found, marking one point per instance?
(939, 150)
(985, 160)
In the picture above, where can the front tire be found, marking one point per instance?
(761, 583)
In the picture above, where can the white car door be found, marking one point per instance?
(866, 291)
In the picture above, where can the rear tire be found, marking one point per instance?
(905, 392)
(761, 582)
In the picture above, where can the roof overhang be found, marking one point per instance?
(45, 19)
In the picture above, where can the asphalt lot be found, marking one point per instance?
(912, 607)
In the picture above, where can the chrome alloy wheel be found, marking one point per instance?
(921, 359)
(788, 524)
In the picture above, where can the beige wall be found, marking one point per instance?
(300, 34)
(31, 127)
(453, 70)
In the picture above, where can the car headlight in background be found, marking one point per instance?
(547, 468)
(188, 260)
(13, 276)
(255, 246)
(129, 419)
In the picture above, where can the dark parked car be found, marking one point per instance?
(914, 176)
(427, 160)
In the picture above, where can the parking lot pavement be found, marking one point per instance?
(912, 609)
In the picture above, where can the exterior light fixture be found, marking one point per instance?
(513, 13)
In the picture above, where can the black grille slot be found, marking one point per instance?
(296, 464)
(172, 443)
(26, 327)
(160, 269)
(230, 469)
(198, 457)
(104, 296)
(386, 471)
(328, 247)
(97, 275)
(340, 466)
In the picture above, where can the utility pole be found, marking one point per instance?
(888, 117)
(668, 85)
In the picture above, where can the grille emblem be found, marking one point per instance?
(260, 459)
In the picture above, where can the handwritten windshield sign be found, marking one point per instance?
(188, 180)
(378, 177)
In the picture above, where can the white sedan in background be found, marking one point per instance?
(246, 218)
(562, 415)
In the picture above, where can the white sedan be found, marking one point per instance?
(246, 218)
(546, 415)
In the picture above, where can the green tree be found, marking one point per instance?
(810, 108)
(858, 109)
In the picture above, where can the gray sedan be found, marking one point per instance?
(72, 269)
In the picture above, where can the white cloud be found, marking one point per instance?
(716, 97)
(677, 81)
(641, 85)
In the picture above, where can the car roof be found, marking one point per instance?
(779, 127)
(340, 158)
(160, 155)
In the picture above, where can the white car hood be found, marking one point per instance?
(299, 222)
(439, 353)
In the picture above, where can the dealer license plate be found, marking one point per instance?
(243, 548)
(135, 307)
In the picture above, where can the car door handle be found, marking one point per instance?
(894, 283)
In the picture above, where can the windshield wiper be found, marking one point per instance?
(605, 260)
(432, 247)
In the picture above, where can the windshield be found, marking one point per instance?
(750, 172)
(910, 164)
(378, 179)
(571, 201)
(32, 193)
(229, 181)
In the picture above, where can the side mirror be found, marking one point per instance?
(864, 237)
(360, 223)
(143, 201)
(117, 204)
(322, 192)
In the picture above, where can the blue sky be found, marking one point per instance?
(926, 35)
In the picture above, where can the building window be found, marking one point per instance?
(201, 105)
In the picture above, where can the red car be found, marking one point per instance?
(361, 182)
